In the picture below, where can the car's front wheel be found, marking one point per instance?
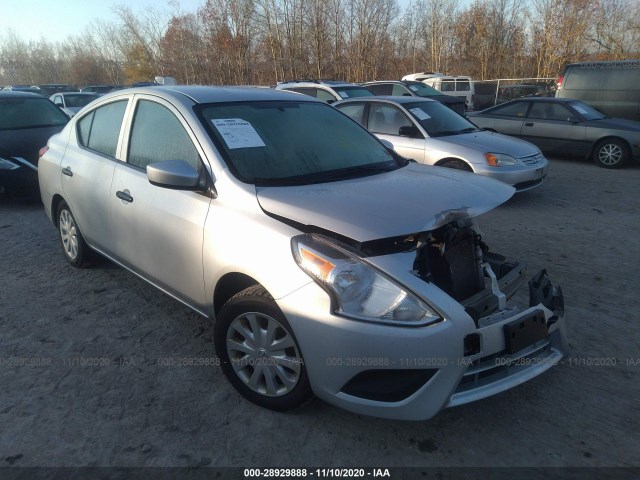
(73, 244)
(259, 353)
(611, 153)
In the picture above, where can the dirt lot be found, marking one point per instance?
(129, 410)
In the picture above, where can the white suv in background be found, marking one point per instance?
(458, 86)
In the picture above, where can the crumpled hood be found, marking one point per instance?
(412, 199)
(494, 143)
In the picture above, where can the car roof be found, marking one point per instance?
(388, 98)
(209, 94)
(19, 94)
(397, 82)
(326, 83)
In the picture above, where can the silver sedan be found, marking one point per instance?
(331, 265)
(566, 126)
(427, 132)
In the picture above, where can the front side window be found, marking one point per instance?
(400, 90)
(324, 95)
(355, 91)
(550, 111)
(423, 90)
(386, 119)
(157, 135)
(100, 129)
(290, 142)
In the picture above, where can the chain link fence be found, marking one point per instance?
(488, 93)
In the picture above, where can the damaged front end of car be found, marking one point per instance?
(512, 343)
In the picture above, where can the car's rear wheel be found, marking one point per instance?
(71, 239)
(259, 353)
(611, 153)
(456, 164)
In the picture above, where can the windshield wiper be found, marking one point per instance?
(328, 176)
(446, 133)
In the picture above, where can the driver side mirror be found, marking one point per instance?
(409, 131)
(174, 174)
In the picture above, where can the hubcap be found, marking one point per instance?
(69, 234)
(263, 354)
(610, 154)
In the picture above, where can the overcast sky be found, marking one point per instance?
(55, 20)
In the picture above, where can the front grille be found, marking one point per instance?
(532, 159)
(495, 367)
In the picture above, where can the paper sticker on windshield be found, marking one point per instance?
(418, 112)
(580, 109)
(343, 94)
(238, 133)
(413, 87)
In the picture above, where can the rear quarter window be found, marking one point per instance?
(100, 129)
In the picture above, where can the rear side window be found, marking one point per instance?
(100, 129)
(354, 111)
(448, 86)
(515, 109)
(380, 89)
(463, 86)
(157, 135)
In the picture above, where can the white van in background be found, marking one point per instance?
(458, 86)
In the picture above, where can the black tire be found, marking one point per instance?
(457, 165)
(611, 153)
(74, 247)
(254, 304)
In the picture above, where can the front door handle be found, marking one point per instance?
(528, 124)
(67, 171)
(124, 196)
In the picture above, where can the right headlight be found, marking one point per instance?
(500, 160)
(359, 290)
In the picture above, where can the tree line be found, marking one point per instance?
(261, 42)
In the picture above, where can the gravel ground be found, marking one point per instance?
(129, 410)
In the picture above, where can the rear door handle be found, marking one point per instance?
(124, 196)
(528, 124)
(67, 171)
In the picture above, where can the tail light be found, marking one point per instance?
(559, 82)
(42, 151)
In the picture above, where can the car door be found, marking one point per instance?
(554, 128)
(159, 230)
(87, 170)
(507, 118)
(385, 120)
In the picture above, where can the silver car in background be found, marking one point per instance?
(331, 265)
(72, 102)
(427, 132)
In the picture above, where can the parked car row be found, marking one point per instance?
(332, 265)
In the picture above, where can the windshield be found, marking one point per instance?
(439, 120)
(78, 101)
(29, 113)
(283, 143)
(588, 112)
(422, 90)
(350, 92)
